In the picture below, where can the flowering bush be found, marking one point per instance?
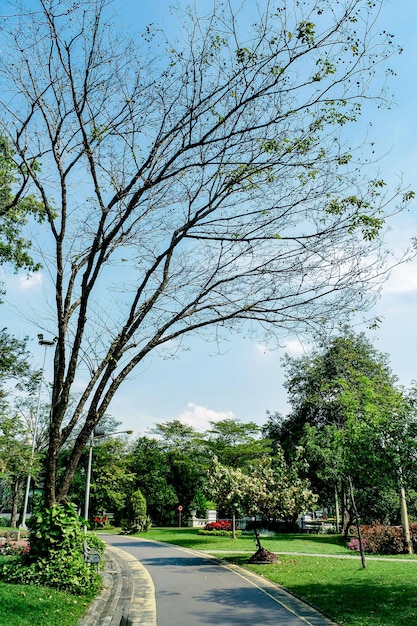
(220, 525)
(99, 521)
(14, 548)
(380, 539)
(354, 544)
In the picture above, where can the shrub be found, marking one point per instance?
(99, 521)
(354, 544)
(219, 533)
(220, 525)
(56, 528)
(56, 555)
(93, 541)
(63, 571)
(130, 527)
(380, 539)
(136, 520)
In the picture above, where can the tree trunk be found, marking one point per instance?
(358, 528)
(404, 519)
(257, 536)
(16, 490)
(336, 505)
(345, 508)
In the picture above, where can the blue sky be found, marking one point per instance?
(245, 380)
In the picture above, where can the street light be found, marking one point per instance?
(46, 343)
(97, 433)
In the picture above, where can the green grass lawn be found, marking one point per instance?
(189, 538)
(24, 605)
(383, 594)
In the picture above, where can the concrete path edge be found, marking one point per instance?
(128, 594)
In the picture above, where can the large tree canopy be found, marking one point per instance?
(191, 185)
(352, 420)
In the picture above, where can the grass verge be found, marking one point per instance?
(24, 605)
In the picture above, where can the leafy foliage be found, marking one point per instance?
(136, 519)
(15, 211)
(56, 557)
(269, 489)
(220, 525)
(236, 444)
(169, 472)
(381, 539)
(65, 571)
(350, 417)
(55, 528)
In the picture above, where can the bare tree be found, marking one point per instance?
(191, 186)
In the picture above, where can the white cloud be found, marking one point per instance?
(260, 347)
(199, 416)
(295, 347)
(29, 281)
(403, 279)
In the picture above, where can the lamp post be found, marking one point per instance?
(97, 433)
(46, 343)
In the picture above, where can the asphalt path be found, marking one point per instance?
(192, 588)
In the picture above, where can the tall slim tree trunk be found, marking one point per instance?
(404, 517)
(336, 505)
(358, 527)
(16, 490)
(345, 508)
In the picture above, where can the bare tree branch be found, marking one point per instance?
(201, 184)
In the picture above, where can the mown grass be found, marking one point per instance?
(28, 605)
(285, 542)
(383, 594)
(24, 605)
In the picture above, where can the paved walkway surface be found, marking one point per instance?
(148, 583)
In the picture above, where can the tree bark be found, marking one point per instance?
(357, 522)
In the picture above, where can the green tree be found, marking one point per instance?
(152, 477)
(186, 457)
(135, 518)
(15, 462)
(16, 210)
(20, 445)
(270, 489)
(210, 174)
(14, 360)
(351, 418)
(111, 480)
(174, 435)
(236, 443)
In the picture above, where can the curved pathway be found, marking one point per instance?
(188, 588)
